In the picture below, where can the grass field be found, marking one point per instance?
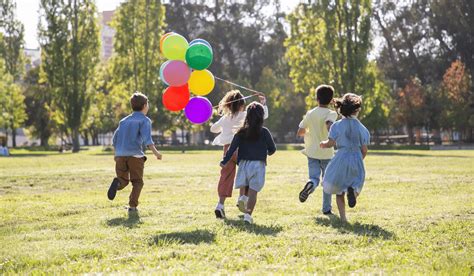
(415, 215)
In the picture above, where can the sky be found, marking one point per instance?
(27, 13)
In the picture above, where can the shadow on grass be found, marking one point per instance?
(391, 153)
(240, 225)
(131, 221)
(370, 230)
(190, 237)
(20, 155)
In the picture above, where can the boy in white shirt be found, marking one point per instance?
(315, 128)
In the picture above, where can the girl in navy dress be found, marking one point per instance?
(345, 173)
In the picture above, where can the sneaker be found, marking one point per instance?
(248, 218)
(113, 189)
(220, 214)
(351, 198)
(242, 203)
(307, 190)
(328, 213)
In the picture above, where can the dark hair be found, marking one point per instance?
(324, 94)
(253, 122)
(231, 103)
(138, 101)
(348, 105)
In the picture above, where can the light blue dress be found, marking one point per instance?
(346, 168)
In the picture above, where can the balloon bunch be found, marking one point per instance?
(185, 72)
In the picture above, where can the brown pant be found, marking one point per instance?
(226, 181)
(128, 169)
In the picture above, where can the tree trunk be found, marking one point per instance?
(13, 137)
(44, 138)
(75, 140)
(411, 135)
(86, 138)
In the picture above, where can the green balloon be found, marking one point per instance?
(199, 56)
(174, 47)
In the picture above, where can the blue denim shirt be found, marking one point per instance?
(133, 132)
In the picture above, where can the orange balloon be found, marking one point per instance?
(163, 39)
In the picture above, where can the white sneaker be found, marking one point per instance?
(242, 203)
(248, 218)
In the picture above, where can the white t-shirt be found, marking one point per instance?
(228, 125)
(316, 131)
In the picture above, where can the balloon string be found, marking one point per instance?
(253, 95)
(240, 86)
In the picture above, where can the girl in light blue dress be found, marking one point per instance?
(345, 172)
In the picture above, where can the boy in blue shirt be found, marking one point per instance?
(133, 132)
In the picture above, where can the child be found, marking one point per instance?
(133, 132)
(314, 128)
(254, 142)
(345, 173)
(233, 114)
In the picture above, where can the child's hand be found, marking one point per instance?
(323, 144)
(158, 156)
(221, 164)
(262, 99)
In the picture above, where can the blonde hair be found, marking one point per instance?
(232, 103)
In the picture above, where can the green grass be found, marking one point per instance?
(415, 215)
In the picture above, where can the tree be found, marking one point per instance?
(11, 48)
(457, 87)
(12, 106)
(139, 25)
(38, 100)
(11, 44)
(410, 107)
(69, 39)
(329, 43)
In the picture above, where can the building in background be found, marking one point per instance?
(106, 35)
(34, 58)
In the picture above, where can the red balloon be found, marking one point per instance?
(175, 98)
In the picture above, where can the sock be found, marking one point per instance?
(220, 206)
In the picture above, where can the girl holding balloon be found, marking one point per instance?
(232, 110)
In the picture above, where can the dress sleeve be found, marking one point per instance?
(365, 136)
(333, 132)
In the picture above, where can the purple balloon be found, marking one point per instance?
(176, 73)
(198, 110)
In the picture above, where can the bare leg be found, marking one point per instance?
(222, 199)
(252, 200)
(244, 191)
(341, 205)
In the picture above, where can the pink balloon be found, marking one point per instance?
(176, 73)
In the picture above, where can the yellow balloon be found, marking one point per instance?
(201, 82)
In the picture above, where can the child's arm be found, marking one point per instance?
(329, 124)
(301, 132)
(329, 143)
(155, 151)
(217, 126)
(233, 147)
(263, 101)
(145, 130)
(364, 150)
